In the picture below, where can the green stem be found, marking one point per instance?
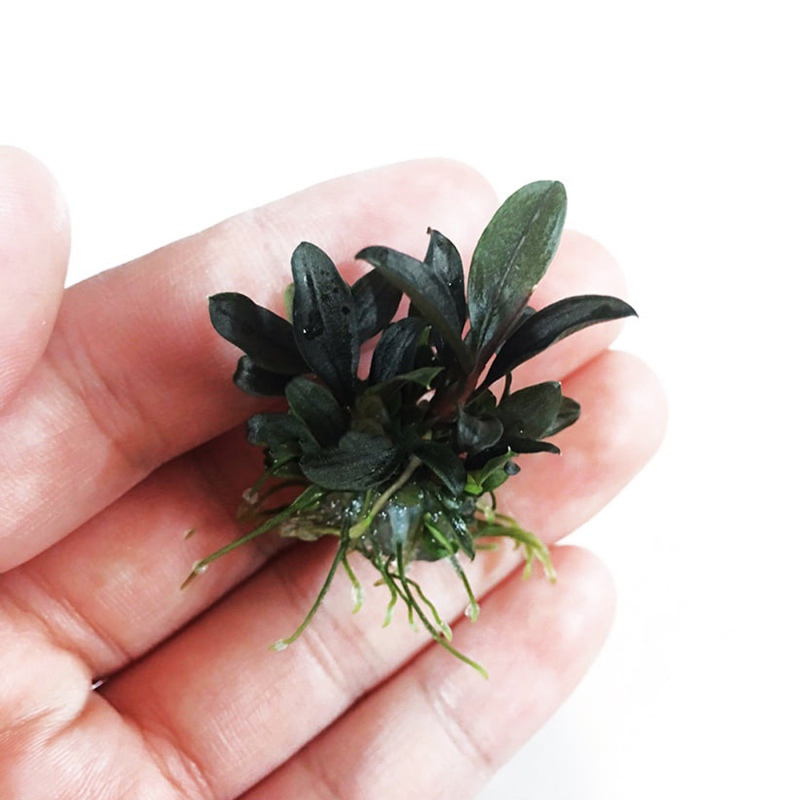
(311, 493)
(473, 609)
(441, 624)
(388, 580)
(535, 548)
(437, 635)
(358, 592)
(438, 535)
(282, 644)
(362, 525)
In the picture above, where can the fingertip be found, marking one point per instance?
(34, 250)
(590, 585)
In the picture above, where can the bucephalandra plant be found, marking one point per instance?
(403, 465)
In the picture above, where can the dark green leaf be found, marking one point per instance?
(543, 328)
(318, 409)
(324, 320)
(510, 258)
(359, 462)
(396, 350)
(567, 415)
(492, 472)
(480, 403)
(445, 260)
(255, 380)
(445, 464)
(529, 413)
(284, 438)
(452, 528)
(522, 445)
(428, 292)
(272, 430)
(474, 434)
(264, 336)
(463, 535)
(495, 480)
(376, 302)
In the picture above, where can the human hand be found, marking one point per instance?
(120, 429)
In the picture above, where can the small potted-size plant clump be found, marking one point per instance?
(403, 465)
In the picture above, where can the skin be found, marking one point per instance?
(120, 429)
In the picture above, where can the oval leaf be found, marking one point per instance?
(396, 351)
(255, 380)
(359, 462)
(263, 335)
(477, 433)
(284, 439)
(554, 322)
(318, 409)
(324, 320)
(510, 258)
(445, 260)
(445, 464)
(376, 303)
(427, 291)
(273, 429)
(528, 413)
(568, 414)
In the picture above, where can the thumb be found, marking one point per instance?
(34, 248)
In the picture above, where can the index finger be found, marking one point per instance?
(134, 374)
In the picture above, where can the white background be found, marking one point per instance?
(673, 126)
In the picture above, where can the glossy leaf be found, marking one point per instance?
(396, 351)
(359, 462)
(318, 409)
(528, 413)
(428, 292)
(476, 433)
(524, 445)
(480, 403)
(492, 472)
(445, 260)
(450, 527)
(510, 258)
(376, 302)
(263, 335)
(463, 534)
(444, 463)
(497, 478)
(324, 320)
(256, 380)
(541, 329)
(567, 415)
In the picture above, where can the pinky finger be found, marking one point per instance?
(437, 729)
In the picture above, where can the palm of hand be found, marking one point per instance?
(119, 430)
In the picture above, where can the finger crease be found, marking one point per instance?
(317, 644)
(447, 712)
(43, 612)
(320, 777)
(112, 407)
(178, 768)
